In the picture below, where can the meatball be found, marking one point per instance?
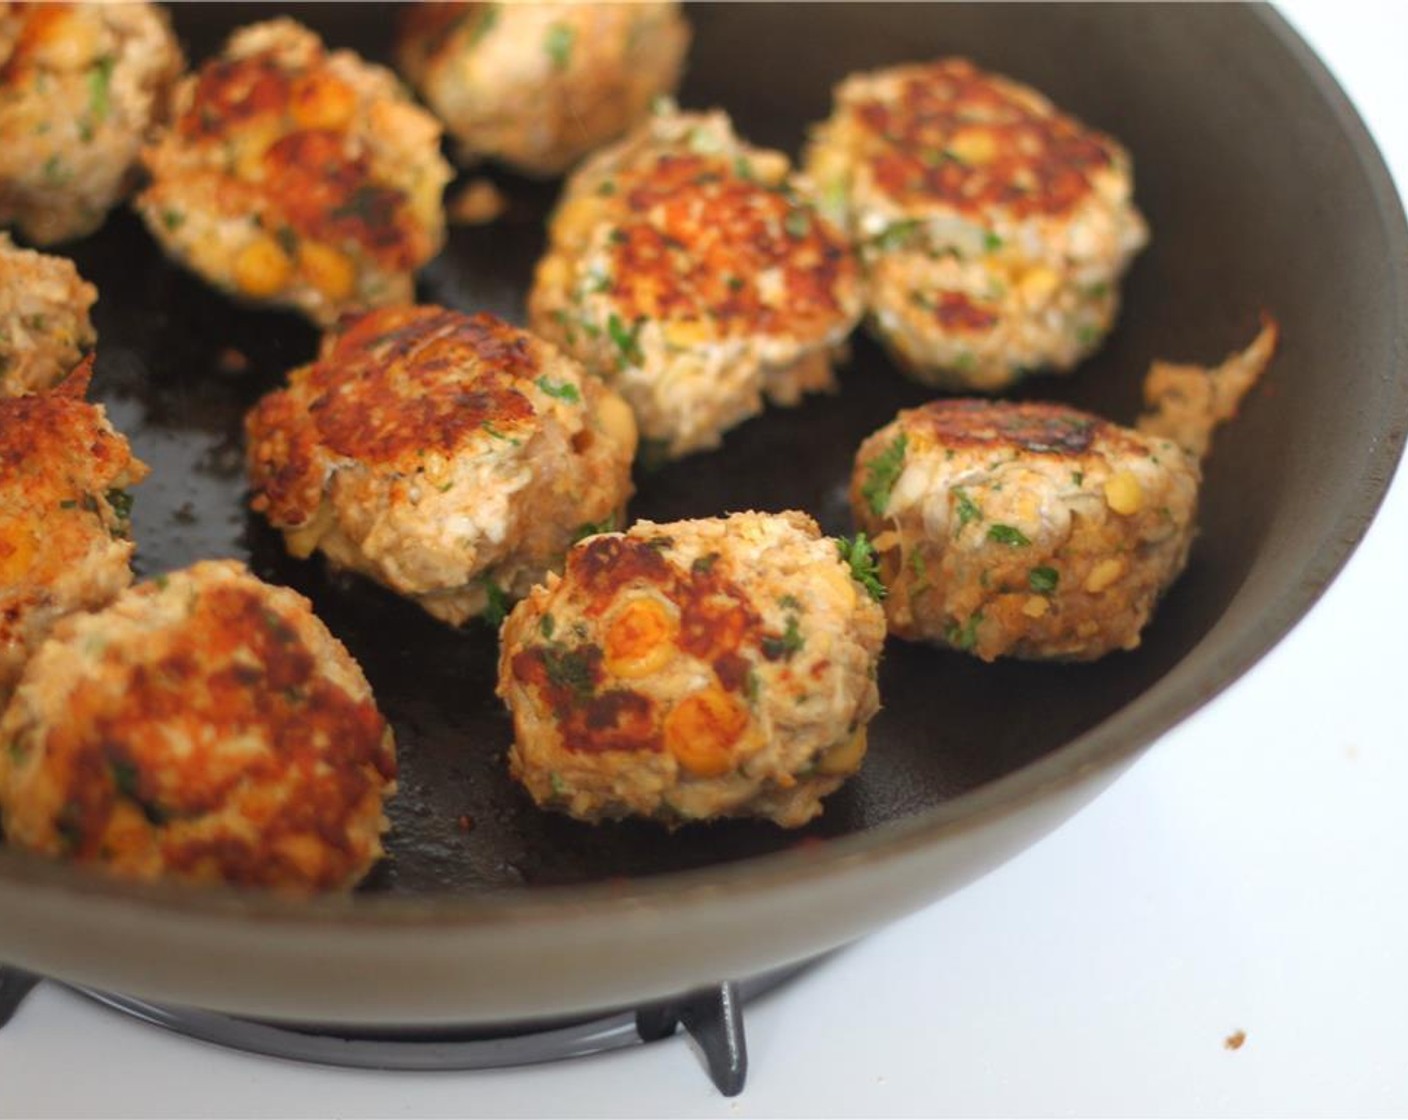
(700, 669)
(452, 458)
(687, 270)
(205, 727)
(994, 229)
(538, 86)
(1023, 530)
(65, 544)
(44, 323)
(81, 87)
(298, 177)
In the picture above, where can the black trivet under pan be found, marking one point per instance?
(713, 1017)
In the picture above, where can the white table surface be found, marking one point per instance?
(1249, 874)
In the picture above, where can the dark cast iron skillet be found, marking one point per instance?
(1263, 192)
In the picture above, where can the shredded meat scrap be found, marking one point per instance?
(1187, 402)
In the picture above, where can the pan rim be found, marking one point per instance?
(1118, 740)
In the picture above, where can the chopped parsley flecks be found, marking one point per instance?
(798, 223)
(881, 474)
(562, 390)
(1043, 580)
(546, 625)
(627, 340)
(992, 242)
(488, 17)
(99, 89)
(782, 649)
(591, 528)
(1007, 534)
(859, 556)
(173, 219)
(496, 602)
(570, 669)
(964, 637)
(488, 428)
(558, 44)
(896, 234)
(967, 509)
(704, 564)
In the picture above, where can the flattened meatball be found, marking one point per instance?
(687, 271)
(81, 87)
(1023, 530)
(297, 176)
(700, 669)
(205, 727)
(44, 324)
(64, 540)
(994, 229)
(452, 458)
(540, 85)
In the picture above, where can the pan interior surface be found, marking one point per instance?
(1259, 198)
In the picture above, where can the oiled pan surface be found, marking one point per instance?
(949, 723)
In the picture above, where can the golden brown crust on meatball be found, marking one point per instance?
(688, 271)
(81, 88)
(1024, 530)
(64, 533)
(451, 457)
(720, 667)
(44, 323)
(204, 727)
(540, 85)
(994, 228)
(298, 176)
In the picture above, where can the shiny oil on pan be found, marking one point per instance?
(1262, 190)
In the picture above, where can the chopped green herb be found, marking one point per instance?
(558, 44)
(896, 234)
(488, 17)
(559, 787)
(1098, 290)
(627, 341)
(163, 581)
(591, 528)
(736, 283)
(881, 474)
(68, 503)
(703, 142)
(121, 502)
(1077, 477)
(791, 602)
(742, 168)
(496, 605)
(446, 487)
(704, 564)
(1007, 534)
(1087, 334)
(173, 219)
(606, 188)
(124, 777)
(55, 173)
(18, 751)
(966, 362)
(493, 432)
(570, 669)
(99, 87)
(968, 510)
(859, 556)
(965, 636)
(797, 223)
(751, 685)
(1043, 580)
(546, 625)
(597, 282)
(562, 390)
(783, 648)
(992, 242)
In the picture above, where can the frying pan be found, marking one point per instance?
(1263, 191)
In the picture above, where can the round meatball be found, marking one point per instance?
(687, 271)
(700, 669)
(205, 727)
(296, 176)
(44, 323)
(1023, 530)
(994, 229)
(65, 544)
(452, 458)
(540, 85)
(81, 87)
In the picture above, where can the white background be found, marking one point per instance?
(1247, 875)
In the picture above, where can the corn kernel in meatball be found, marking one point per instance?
(686, 270)
(538, 86)
(712, 668)
(994, 229)
(81, 88)
(65, 544)
(205, 727)
(1023, 530)
(44, 323)
(452, 458)
(296, 176)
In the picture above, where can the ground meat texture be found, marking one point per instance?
(1023, 530)
(688, 270)
(44, 323)
(81, 88)
(451, 457)
(538, 86)
(65, 544)
(298, 176)
(687, 671)
(994, 229)
(205, 727)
